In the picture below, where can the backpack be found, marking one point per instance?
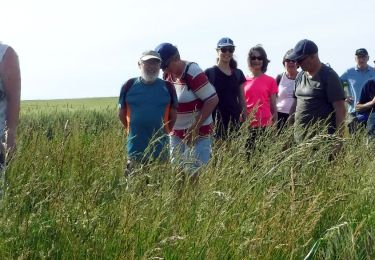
(211, 75)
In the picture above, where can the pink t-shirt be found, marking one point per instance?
(258, 92)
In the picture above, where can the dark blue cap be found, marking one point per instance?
(224, 42)
(302, 49)
(361, 52)
(166, 51)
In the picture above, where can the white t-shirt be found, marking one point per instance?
(285, 97)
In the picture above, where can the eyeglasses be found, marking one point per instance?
(256, 58)
(287, 61)
(227, 49)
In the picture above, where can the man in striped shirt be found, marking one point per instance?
(190, 140)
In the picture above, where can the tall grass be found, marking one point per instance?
(66, 197)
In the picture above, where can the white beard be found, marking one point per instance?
(149, 77)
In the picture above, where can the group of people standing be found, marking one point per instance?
(190, 105)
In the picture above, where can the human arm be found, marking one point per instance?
(242, 101)
(292, 112)
(206, 110)
(122, 116)
(273, 108)
(340, 113)
(172, 118)
(366, 106)
(11, 77)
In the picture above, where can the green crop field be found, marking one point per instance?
(65, 196)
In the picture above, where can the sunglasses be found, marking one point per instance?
(227, 49)
(256, 58)
(289, 61)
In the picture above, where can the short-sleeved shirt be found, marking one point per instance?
(285, 96)
(147, 110)
(258, 92)
(315, 97)
(356, 78)
(193, 89)
(228, 89)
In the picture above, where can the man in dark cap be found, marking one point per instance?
(319, 96)
(354, 79)
(190, 140)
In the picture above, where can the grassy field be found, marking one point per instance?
(66, 197)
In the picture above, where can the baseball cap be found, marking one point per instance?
(287, 54)
(361, 52)
(148, 55)
(302, 49)
(224, 42)
(166, 51)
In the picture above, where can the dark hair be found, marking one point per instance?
(287, 54)
(263, 54)
(232, 63)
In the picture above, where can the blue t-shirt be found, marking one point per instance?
(147, 110)
(356, 78)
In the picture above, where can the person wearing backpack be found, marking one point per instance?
(228, 81)
(147, 110)
(319, 96)
(285, 82)
(190, 139)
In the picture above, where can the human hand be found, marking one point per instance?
(191, 136)
(349, 100)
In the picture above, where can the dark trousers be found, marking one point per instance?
(282, 120)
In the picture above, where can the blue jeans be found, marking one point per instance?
(190, 158)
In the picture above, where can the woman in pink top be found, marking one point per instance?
(260, 94)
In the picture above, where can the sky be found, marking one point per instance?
(89, 48)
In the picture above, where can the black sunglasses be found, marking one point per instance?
(227, 49)
(256, 58)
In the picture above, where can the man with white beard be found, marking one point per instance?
(147, 109)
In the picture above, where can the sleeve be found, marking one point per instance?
(242, 78)
(209, 72)
(121, 100)
(199, 84)
(124, 89)
(334, 89)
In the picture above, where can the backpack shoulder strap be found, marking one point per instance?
(185, 77)
(125, 89)
(171, 90)
(278, 78)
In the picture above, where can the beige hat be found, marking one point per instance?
(148, 55)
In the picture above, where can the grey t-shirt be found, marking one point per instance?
(315, 96)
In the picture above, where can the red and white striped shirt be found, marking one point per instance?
(192, 89)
